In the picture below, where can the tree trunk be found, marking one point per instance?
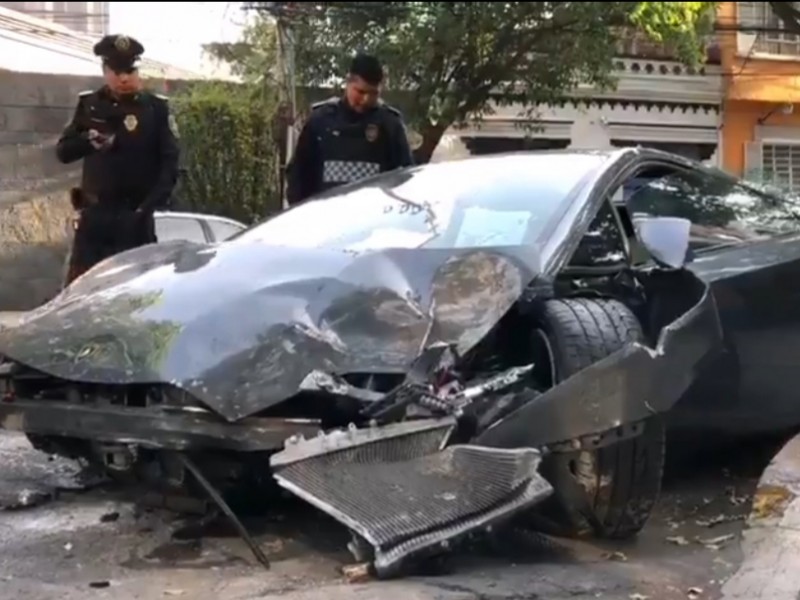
(788, 14)
(431, 135)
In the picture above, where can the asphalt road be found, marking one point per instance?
(68, 541)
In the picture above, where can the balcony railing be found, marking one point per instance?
(635, 44)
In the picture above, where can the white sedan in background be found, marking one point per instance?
(192, 227)
(195, 227)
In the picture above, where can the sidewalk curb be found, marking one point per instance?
(770, 567)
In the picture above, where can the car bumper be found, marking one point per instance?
(152, 428)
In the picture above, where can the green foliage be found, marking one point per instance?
(455, 59)
(254, 56)
(682, 25)
(228, 150)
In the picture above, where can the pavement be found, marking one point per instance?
(69, 539)
(770, 569)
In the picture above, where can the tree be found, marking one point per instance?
(452, 61)
(789, 15)
(254, 56)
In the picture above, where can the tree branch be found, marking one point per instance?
(788, 14)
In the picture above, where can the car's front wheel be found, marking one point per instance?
(609, 491)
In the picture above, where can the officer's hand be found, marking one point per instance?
(100, 141)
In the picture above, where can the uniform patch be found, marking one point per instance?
(372, 132)
(347, 171)
(131, 122)
(173, 125)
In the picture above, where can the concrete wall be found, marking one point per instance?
(33, 250)
(34, 206)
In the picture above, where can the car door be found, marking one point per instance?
(747, 247)
(222, 229)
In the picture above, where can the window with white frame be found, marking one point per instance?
(780, 164)
(768, 31)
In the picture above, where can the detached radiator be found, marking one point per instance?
(401, 490)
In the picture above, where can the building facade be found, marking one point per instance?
(761, 66)
(86, 17)
(30, 44)
(658, 103)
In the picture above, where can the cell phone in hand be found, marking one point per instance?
(100, 140)
(96, 136)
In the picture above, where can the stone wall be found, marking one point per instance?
(34, 204)
(33, 250)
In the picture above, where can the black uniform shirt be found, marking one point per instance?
(141, 169)
(338, 145)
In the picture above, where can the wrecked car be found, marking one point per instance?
(424, 355)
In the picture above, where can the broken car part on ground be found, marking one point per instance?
(423, 355)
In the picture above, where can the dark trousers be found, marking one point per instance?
(104, 231)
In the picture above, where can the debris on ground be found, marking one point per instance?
(694, 593)
(110, 517)
(717, 542)
(99, 584)
(174, 592)
(618, 556)
(638, 597)
(678, 540)
(357, 573)
(770, 500)
(719, 520)
(25, 498)
(730, 492)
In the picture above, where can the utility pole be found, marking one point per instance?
(288, 87)
(290, 84)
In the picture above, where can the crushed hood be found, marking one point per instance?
(240, 325)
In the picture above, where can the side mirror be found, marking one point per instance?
(665, 238)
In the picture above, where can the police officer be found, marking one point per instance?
(127, 139)
(350, 137)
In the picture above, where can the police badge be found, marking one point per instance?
(122, 43)
(131, 122)
(372, 132)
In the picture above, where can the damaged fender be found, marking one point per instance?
(402, 490)
(628, 386)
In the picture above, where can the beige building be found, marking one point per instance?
(86, 17)
(31, 44)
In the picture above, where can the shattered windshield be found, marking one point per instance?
(722, 209)
(491, 201)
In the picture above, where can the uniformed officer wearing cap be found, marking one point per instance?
(350, 137)
(128, 141)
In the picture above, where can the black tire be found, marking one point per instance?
(609, 492)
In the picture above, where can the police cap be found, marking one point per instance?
(119, 52)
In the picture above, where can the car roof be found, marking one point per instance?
(611, 154)
(607, 152)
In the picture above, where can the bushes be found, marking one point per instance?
(229, 155)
